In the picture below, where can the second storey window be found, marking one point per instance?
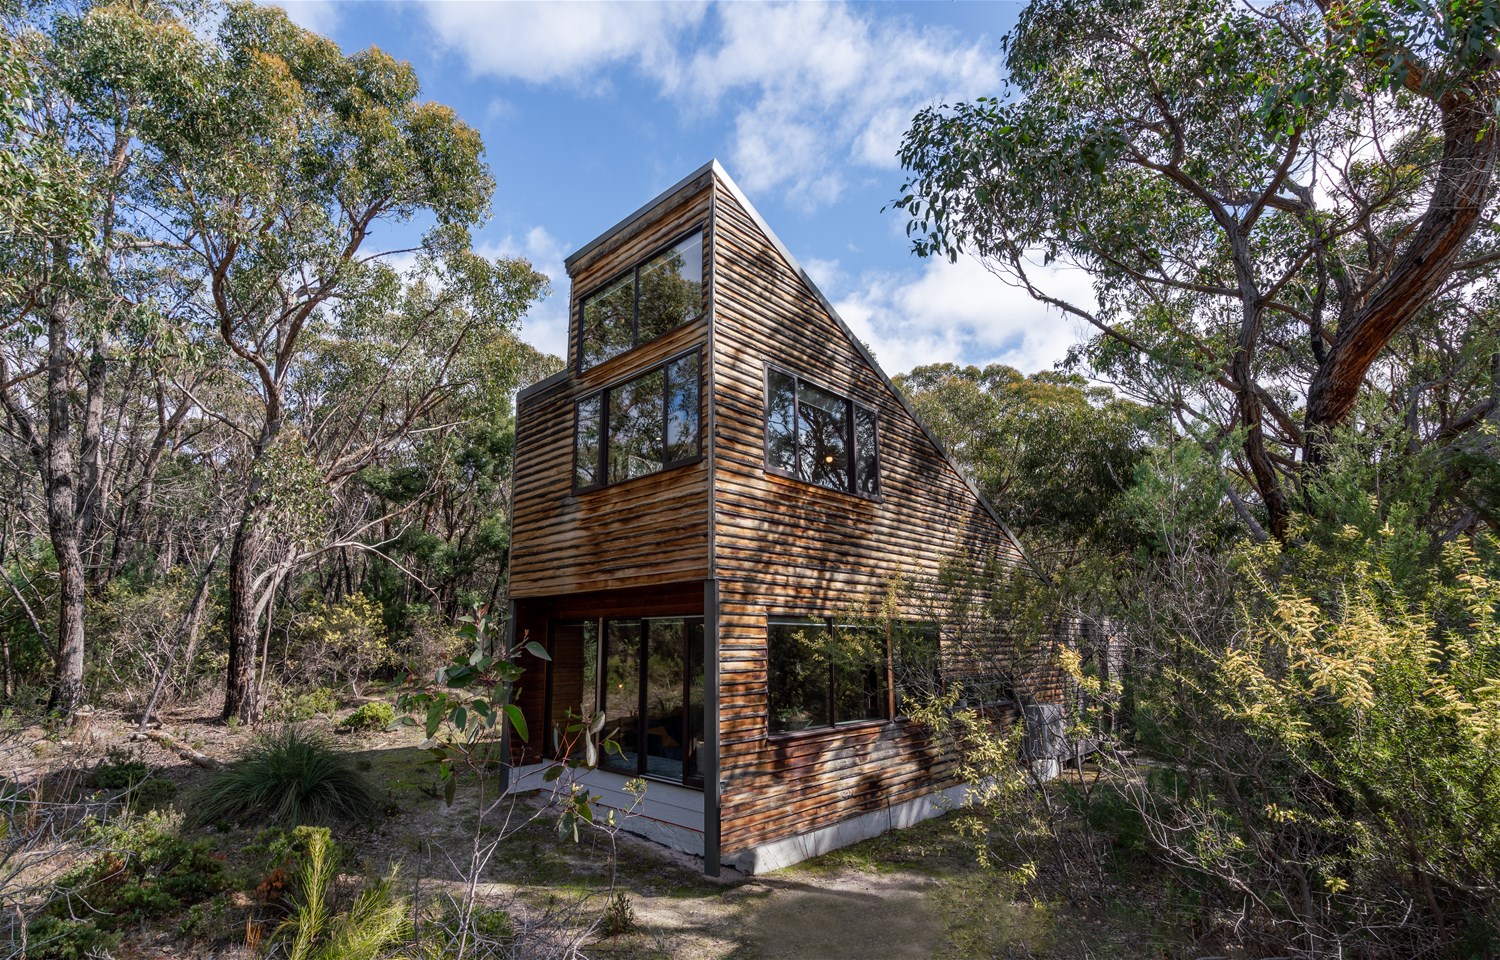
(820, 437)
(638, 427)
(657, 296)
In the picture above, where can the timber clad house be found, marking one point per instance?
(708, 500)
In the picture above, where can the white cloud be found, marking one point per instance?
(961, 313)
(571, 42)
(319, 16)
(545, 326)
(814, 87)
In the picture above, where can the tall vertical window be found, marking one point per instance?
(652, 696)
(820, 437)
(655, 297)
(641, 426)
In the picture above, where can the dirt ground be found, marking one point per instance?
(914, 894)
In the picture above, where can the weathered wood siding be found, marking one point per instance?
(782, 547)
(648, 530)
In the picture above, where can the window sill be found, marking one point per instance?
(809, 485)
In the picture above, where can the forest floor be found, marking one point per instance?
(916, 893)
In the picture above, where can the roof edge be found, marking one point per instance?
(744, 201)
(641, 212)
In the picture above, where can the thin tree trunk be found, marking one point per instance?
(62, 518)
(187, 634)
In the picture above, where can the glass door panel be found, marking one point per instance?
(691, 772)
(622, 693)
(665, 713)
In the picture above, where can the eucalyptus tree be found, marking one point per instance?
(281, 162)
(1266, 196)
(80, 288)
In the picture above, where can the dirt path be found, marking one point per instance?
(843, 917)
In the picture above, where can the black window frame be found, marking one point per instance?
(601, 465)
(634, 272)
(601, 652)
(891, 708)
(851, 445)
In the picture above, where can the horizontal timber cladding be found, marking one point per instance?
(787, 548)
(648, 530)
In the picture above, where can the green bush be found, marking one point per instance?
(376, 715)
(300, 707)
(375, 921)
(124, 773)
(146, 871)
(289, 777)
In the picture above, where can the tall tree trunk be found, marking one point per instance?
(240, 698)
(62, 519)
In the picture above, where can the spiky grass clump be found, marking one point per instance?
(287, 777)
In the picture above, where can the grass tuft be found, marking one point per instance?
(287, 777)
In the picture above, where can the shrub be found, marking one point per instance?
(299, 707)
(128, 775)
(376, 715)
(289, 777)
(619, 915)
(313, 931)
(145, 870)
(344, 640)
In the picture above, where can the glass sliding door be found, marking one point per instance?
(651, 692)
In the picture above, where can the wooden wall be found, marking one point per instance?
(782, 547)
(648, 530)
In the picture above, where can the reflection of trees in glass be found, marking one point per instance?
(859, 673)
(915, 661)
(586, 443)
(660, 295)
(622, 690)
(682, 409)
(608, 322)
(799, 676)
(670, 289)
(781, 425)
(637, 426)
(866, 471)
(820, 437)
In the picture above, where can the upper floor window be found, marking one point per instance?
(657, 296)
(640, 426)
(818, 436)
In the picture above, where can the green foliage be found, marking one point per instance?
(125, 774)
(344, 640)
(315, 930)
(288, 777)
(297, 707)
(376, 715)
(619, 915)
(52, 937)
(146, 871)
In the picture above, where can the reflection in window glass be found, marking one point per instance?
(636, 427)
(781, 425)
(608, 322)
(822, 437)
(859, 672)
(915, 652)
(659, 295)
(622, 692)
(682, 409)
(671, 289)
(586, 442)
(866, 476)
(799, 676)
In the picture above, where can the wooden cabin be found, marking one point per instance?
(724, 515)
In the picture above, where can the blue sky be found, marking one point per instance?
(589, 110)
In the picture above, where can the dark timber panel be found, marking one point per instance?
(786, 548)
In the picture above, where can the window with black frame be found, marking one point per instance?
(821, 437)
(638, 427)
(654, 297)
(651, 692)
(823, 674)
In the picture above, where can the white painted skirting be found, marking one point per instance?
(783, 853)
